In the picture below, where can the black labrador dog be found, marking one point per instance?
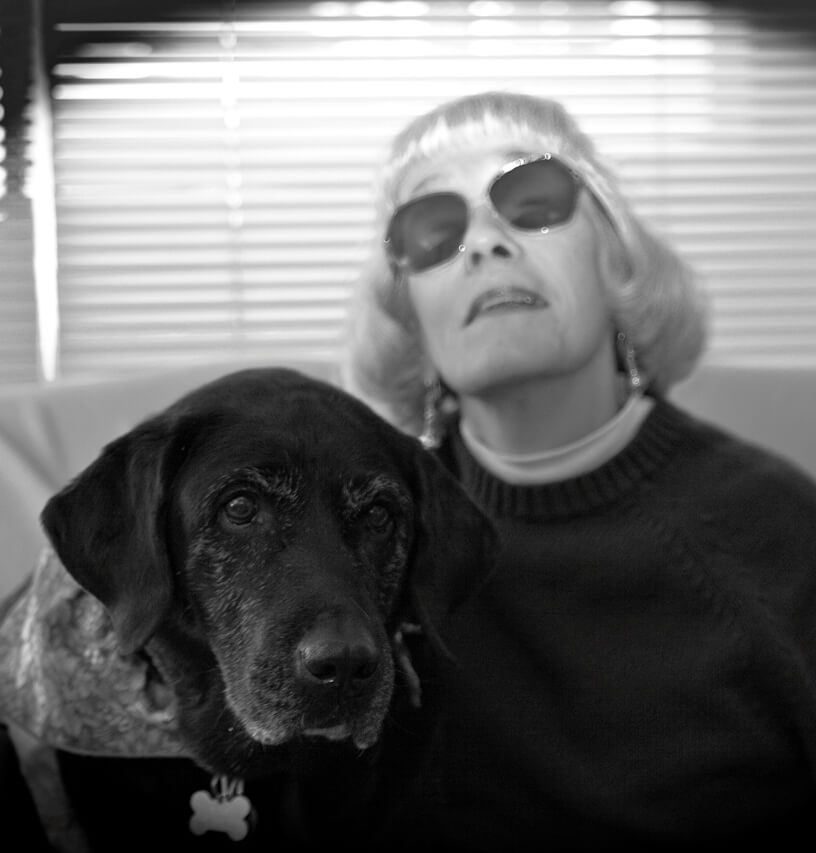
(276, 558)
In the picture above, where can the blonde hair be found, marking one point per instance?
(654, 295)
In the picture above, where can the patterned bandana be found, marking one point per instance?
(63, 680)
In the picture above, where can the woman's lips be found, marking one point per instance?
(504, 299)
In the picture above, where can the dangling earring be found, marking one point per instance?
(431, 435)
(630, 364)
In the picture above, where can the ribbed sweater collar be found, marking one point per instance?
(658, 438)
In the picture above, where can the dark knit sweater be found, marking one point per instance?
(641, 667)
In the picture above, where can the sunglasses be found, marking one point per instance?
(529, 194)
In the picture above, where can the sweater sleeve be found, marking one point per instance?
(759, 513)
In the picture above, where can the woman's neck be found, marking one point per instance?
(544, 412)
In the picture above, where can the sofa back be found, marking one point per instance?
(774, 407)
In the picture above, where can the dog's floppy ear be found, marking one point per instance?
(107, 529)
(455, 545)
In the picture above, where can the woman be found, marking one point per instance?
(641, 666)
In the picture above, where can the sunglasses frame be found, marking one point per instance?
(404, 264)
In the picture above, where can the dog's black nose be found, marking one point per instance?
(337, 652)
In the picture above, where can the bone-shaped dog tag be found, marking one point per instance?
(226, 810)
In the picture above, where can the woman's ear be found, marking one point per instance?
(614, 265)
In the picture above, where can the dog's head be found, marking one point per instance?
(262, 539)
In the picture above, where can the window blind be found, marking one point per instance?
(18, 319)
(214, 167)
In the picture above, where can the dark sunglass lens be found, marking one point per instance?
(428, 231)
(536, 195)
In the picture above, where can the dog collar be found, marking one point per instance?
(63, 679)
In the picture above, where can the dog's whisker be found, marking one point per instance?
(221, 715)
(361, 608)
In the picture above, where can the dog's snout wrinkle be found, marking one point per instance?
(338, 653)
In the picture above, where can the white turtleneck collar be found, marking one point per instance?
(571, 460)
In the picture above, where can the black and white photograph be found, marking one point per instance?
(407, 426)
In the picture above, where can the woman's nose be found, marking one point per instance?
(487, 238)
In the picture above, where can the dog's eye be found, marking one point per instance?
(241, 509)
(378, 518)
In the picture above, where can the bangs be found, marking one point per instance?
(524, 122)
